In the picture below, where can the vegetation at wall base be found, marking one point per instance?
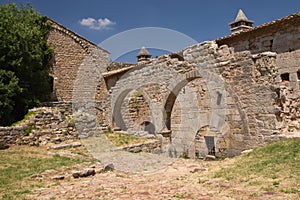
(120, 139)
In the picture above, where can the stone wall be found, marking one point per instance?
(71, 52)
(280, 36)
(215, 92)
(289, 104)
(43, 125)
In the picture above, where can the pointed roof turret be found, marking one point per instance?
(144, 52)
(241, 16)
(143, 55)
(241, 23)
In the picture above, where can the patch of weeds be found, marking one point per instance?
(109, 130)
(54, 184)
(21, 192)
(120, 139)
(244, 180)
(28, 130)
(274, 176)
(255, 194)
(202, 181)
(120, 175)
(138, 94)
(276, 183)
(39, 185)
(255, 183)
(183, 196)
(124, 187)
(268, 189)
(289, 190)
(100, 189)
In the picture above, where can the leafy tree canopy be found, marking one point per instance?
(24, 61)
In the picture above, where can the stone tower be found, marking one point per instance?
(143, 55)
(240, 23)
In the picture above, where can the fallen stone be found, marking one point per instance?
(109, 167)
(57, 139)
(246, 151)
(76, 144)
(3, 146)
(210, 157)
(84, 173)
(64, 146)
(33, 176)
(59, 177)
(198, 170)
(61, 146)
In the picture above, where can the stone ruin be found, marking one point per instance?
(217, 97)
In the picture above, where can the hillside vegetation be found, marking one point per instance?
(273, 168)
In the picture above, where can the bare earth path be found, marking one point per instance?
(180, 179)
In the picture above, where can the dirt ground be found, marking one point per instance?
(181, 179)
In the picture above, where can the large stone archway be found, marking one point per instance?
(227, 111)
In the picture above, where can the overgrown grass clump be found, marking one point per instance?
(19, 163)
(120, 139)
(275, 167)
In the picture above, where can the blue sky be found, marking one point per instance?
(97, 20)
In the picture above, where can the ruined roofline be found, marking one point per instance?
(72, 34)
(118, 71)
(262, 26)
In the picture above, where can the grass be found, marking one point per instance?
(18, 163)
(120, 139)
(275, 167)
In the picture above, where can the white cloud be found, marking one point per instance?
(100, 24)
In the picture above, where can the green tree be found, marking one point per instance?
(24, 61)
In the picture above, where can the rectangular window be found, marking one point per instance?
(285, 77)
(267, 45)
(298, 74)
(210, 143)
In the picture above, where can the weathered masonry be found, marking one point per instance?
(217, 97)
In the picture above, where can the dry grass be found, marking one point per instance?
(120, 139)
(273, 168)
(19, 163)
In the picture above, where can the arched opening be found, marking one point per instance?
(148, 127)
(131, 108)
(170, 101)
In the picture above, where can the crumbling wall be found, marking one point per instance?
(280, 36)
(216, 93)
(49, 124)
(289, 103)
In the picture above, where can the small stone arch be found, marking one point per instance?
(148, 127)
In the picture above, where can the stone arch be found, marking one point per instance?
(170, 101)
(137, 78)
(218, 127)
(148, 127)
(117, 115)
(215, 87)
